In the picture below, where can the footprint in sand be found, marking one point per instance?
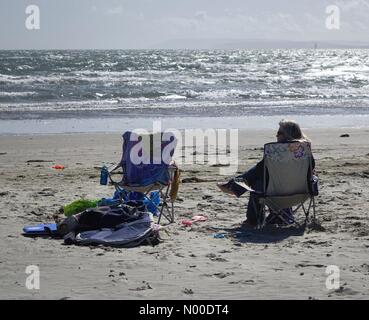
(213, 257)
(145, 286)
(249, 282)
(303, 265)
(343, 291)
(222, 275)
(187, 291)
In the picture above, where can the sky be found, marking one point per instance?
(126, 24)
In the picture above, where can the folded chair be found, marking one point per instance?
(287, 181)
(147, 166)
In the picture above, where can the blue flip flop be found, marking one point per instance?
(42, 229)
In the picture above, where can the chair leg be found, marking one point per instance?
(160, 213)
(260, 215)
(283, 215)
(307, 212)
(172, 207)
(165, 205)
(280, 213)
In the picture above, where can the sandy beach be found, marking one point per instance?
(273, 263)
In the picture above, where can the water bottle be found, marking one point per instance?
(314, 185)
(104, 175)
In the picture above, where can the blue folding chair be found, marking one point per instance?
(147, 166)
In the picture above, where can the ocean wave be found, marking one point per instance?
(17, 94)
(174, 81)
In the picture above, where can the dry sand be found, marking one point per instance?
(190, 263)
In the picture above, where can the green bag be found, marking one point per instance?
(79, 206)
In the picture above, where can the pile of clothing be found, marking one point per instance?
(126, 220)
(126, 225)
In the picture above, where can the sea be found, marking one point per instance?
(109, 90)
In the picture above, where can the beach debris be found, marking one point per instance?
(145, 286)
(193, 180)
(303, 265)
(219, 235)
(46, 193)
(179, 255)
(342, 291)
(214, 257)
(207, 197)
(199, 218)
(187, 291)
(36, 212)
(187, 223)
(58, 167)
(242, 282)
(4, 193)
(220, 165)
(38, 160)
(222, 275)
(3, 153)
(345, 135)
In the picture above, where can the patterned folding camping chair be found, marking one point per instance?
(287, 181)
(147, 166)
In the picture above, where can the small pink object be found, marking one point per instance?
(187, 223)
(199, 218)
(58, 167)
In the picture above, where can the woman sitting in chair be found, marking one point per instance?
(288, 131)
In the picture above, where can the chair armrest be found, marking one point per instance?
(110, 171)
(116, 166)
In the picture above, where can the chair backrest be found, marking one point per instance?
(288, 166)
(146, 157)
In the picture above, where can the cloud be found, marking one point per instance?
(352, 5)
(201, 15)
(115, 11)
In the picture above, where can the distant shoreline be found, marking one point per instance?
(224, 44)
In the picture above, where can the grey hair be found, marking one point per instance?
(292, 131)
